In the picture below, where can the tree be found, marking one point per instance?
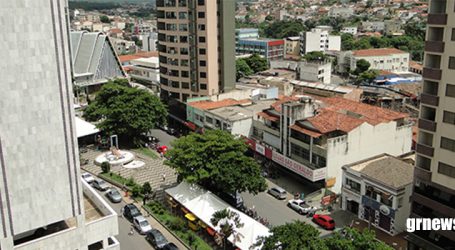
(242, 69)
(216, 159)
(367, 76)
(105, 167)
(269, 18)
(283, 29)
(226, 223)
(257, 63)
(315, 56)
(294, 236)
(354, 239)
(146, 191)
(105, 19)
(362, 65)
(125, 111)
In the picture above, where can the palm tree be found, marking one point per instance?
(226, 223)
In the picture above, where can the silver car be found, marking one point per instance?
(100, 185)
(114, 195)
(141, 224)
(278, 193)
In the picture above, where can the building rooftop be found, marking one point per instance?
(378, 52)
(387, 170)
(208, 105)
(233, 113)
(126, 58)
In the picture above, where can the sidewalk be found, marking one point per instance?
(155, 224)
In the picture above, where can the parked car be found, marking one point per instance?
(278, 193)
(100, 185)
(297, 205)
(88, 178)
(141, 224)
(156, 239)
(130, 211)
(114, 195)
(172, 131)
(170, 246)
(325, 221)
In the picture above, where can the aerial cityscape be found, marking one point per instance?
(227, 124)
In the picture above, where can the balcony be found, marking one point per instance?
(432, 73)
(434, 46)
(429, 99)
(427, 125)
(425, 150)
(422, 174)
(434, 205)
(437, 19)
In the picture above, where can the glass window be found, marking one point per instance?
(446, 169)
(450, 90)
(200, 2)
(447, 143)
(185, 85)
(202, 63)
(203, 75)
(201, 14)
(202, 39)
(451, 62)
(201, 51)
(449, 117)
(453, 34)
(183, 15)
(201, 27)
(203, 86)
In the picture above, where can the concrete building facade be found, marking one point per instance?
(196, 47)
(292, 45)
(271, 49)
(43, 200)
(434, 180)
(388, 59)
(380, 186)
(319, 39)
(316, 71)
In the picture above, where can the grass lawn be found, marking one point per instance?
(178, 226)
(117, 178)
(147, 152)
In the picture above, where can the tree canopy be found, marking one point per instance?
(367, 76)
(242, 69)
(299, 235)
(362, 65)
(105, 19)
(315, 56)
(125, 111)
(257, 63)
(216, 159)
(283, 29)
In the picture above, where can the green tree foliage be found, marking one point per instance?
(105, 167)
(257, 63)
(228, 221)
(216, 158)
(299, 235)
(146, 191)
(362, 65)
(283, 29)
(125, 111)
(293, 236)
(314, 56)
(242, 69)
(367, 76)
(86, 5)
(354, 239)
(105, 19)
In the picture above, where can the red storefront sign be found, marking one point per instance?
(310, 174)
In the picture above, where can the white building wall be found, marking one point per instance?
(318, 40)
(363, 142)
(242, 127)
(393, 63)
(334, 43)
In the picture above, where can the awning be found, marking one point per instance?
(84, 128)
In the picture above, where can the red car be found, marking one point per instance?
(324, 221)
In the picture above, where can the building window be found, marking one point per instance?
(208, 120)
(202, 39)
(203, 75)
(201, 51)
(201, 14)
(447, 143)
(185, 85)
(450, 90)
(300, 152)
(400, 202)
(451, 62)
(184, 74)
(183, 15)
(202, 63)
(203, 86)
(449, 117)
(352, 185)
(182, 3)
(446, 169)
(201, 27)
(200, 2)
(453, 34)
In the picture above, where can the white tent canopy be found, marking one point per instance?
(203, 204)
(84, 128)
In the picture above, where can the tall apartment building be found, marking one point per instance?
(43, 202)
(319, 39)
(196, 47)
(434, 178)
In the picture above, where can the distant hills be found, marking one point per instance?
(115, 1)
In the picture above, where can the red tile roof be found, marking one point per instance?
(305, 131)
(283, 99)
(268, 117)
(116, 30)
(126, 58)
(207, 105)
(378, 52)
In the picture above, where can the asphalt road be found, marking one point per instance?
(165, 138)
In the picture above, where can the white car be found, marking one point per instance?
(141, 224)
(88, 178)
(100, 185)
(298, 205)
